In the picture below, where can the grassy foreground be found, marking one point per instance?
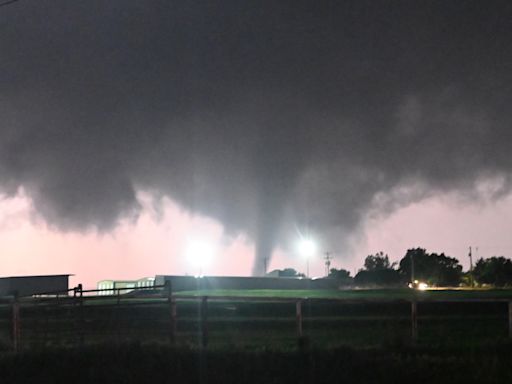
(140, 364)
(358, 294)
(355, 318)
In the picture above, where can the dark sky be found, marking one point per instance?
(266, 115)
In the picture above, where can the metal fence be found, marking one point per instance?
(155, 315)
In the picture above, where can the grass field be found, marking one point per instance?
(362, 336)
(361, 294)
(253, 319)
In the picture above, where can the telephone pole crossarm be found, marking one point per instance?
(328, 257)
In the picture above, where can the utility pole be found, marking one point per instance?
(412, 268)
(471, 280)
(327, 259)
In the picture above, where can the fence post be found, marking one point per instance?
(203, 315)
(172, 310)
(510, 319)
(298, 316)
(16, 326)
(414, 321)
(81, 314)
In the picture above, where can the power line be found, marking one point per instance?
(8, 2)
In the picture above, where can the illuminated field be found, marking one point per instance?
(361, 294)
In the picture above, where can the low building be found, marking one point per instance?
(111, 287)
(191, 283)
(34, 285)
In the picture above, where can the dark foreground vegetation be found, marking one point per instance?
(351, 318)
(369, 320)
(363, 339)
(162, 364)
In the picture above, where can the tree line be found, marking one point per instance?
(431, 268)
(419, 265)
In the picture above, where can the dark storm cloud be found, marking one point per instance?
(264, 115)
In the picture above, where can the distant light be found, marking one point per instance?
(418, 285)
(307, 247)
(199, 252)
(422, 286)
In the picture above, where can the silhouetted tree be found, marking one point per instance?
(494, 270)
(339, 273)
(381, 277)
(342, 275)
(286, 272)
(432, 268)
(376, 262)
(377, 271)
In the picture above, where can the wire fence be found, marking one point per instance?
(155, 315)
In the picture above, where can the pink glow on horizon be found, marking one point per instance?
(133, 250)
(156, 246)
(444, 225)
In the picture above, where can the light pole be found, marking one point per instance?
(199, 253)
(307, 248)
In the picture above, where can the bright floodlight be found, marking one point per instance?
(199, 252)
(307, 247)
